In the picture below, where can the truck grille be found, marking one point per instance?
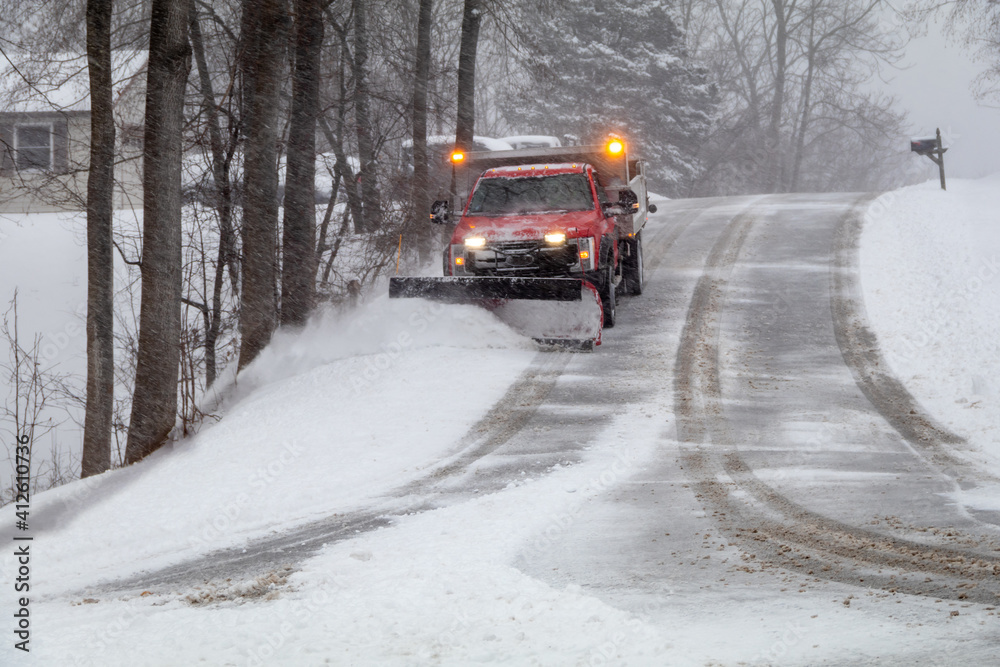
(527, 257)
(515, 247)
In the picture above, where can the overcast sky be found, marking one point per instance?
(936, 91)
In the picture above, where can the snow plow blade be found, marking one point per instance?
(471, 290)
(554, 311)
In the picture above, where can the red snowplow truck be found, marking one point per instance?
(546, 239)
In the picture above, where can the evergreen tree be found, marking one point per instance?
(596, 67)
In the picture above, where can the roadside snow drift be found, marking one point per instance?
(323, 421)
(930, 270)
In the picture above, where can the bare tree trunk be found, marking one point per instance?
(223, 200)
(334, 250)
(321, 244)
(336, 137)
(343, 167)
(263, 33)
(366, 147)
(100, 259)
(298, 277)
(422, 69)
(803, 124)
(154, 401)
(774, 154)
(466, 91)
(342, 170)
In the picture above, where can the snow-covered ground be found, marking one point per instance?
(43, 258)
(930, 271)
(331, 419)
(321, 422)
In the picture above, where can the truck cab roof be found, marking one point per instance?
(540, 169)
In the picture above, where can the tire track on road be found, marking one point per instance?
(862, 354)
(756, 516)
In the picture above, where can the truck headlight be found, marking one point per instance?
(555, 238)
(475, 242)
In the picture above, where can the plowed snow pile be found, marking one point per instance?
(322, 421)
(930, 270)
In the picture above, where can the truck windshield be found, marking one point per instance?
(535, 194)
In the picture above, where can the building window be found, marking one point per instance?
(33, 146)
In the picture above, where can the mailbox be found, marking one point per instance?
(931, 147)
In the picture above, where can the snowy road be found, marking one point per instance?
(809, 463)
(799, 464)
(745, 482)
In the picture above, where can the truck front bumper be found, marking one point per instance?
(524, 258)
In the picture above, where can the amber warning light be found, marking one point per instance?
(457, 156)
(615, 146)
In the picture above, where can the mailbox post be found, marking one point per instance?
(932, 148)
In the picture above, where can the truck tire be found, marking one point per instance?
(633, 270)
(608, 294)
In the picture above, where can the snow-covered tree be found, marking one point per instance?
(616, 66)
(798, 111)
(977, 24)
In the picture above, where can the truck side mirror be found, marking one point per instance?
(612, 209)
(628, 200)
(651, 208)
(440, 212)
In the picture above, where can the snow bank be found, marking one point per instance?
(323, 421)
(930, 270)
